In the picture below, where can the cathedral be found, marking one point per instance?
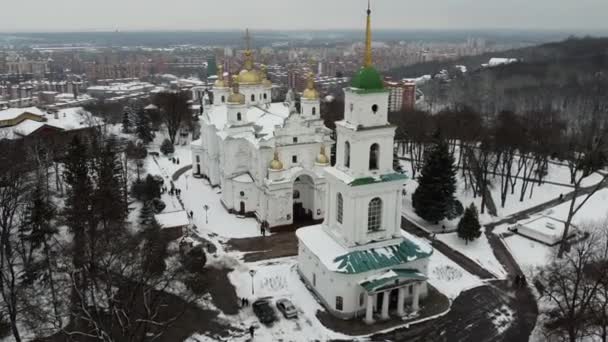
(359, 262)
(268, 158)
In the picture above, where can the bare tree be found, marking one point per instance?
(570, 285)
(174, 110)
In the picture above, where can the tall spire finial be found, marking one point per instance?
(367, 62)
(247, 40)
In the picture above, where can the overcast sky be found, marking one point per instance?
(103, 15)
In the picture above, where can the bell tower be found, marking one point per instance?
(364, 192)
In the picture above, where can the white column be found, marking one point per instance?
(400, 301)
(375, 301)
(369, 309)
(385, 303)
(415, 301)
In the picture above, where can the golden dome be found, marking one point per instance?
(310, 93)
(220, 83)
(322, 158)
(235, 97)
(276, 164)
(249, 77)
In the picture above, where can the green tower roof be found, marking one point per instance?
(368, 78)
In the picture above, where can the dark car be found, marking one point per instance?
(287, 308)
(263, 309)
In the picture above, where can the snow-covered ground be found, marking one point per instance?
(479, 251)
(448, 277)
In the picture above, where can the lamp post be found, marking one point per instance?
(206, 207)
(252, 273)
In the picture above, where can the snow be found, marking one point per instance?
(244, 178)
(279, 279)
(479, 250)
(448, 277)
(596, 208)
(543, 228)
(528, 253)
(172, 219)
(12, 113)
(267, 118)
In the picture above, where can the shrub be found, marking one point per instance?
(167, 147)
(456, 210)
(195, 259)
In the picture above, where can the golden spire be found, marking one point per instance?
(367, 62)
(248, 53)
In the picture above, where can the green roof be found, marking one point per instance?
(368, 78)
(381, 257)
(390, 278)
(383, 178)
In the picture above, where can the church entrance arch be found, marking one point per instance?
(303, 198)
(242, 208)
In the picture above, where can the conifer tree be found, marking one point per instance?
(434, 196)
(469, 228)
(143, 128)
(77, 212)
(167, 147)
(146, 215)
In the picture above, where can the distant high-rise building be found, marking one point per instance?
(402, 95)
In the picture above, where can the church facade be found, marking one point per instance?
(268, 158)
(358, 262)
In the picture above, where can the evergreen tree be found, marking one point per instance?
(155, 249)
(434, 196)
(108, 198)
(469, 228)
(126, 122)
(167, 147)
(77, 212)
(146, 215)
(143, 127)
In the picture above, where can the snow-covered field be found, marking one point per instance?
(479, 251)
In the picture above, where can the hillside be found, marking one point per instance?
(583, 52)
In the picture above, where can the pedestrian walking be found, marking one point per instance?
(251, 330)
(263, 231)
(177, 161)
(516, 281)
(191, 214)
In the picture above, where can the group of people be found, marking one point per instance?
(174, 160)
(244, 302)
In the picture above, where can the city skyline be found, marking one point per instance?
(140, 15)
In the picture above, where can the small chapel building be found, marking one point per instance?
(359, 262)
(267, 157)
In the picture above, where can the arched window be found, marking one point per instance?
(339, 207)
(252, 98)
(375, 108)
(265, 96)
(374, 154)
(238, 116)
(374, 215)
(314, 110)
(347, 154)
(223, 98)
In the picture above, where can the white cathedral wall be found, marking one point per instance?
(328, 285)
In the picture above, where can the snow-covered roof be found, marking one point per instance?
(66, 119)
(499, 61)
(544, 228)
(244, 178)
(391, 277)
(12, 113)
(266, 118)
(172, 219)
(336, 258)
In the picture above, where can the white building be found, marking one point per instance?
(358, 261)
(268, 158)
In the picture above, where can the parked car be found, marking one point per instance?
(287, 308)
(264, 311)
